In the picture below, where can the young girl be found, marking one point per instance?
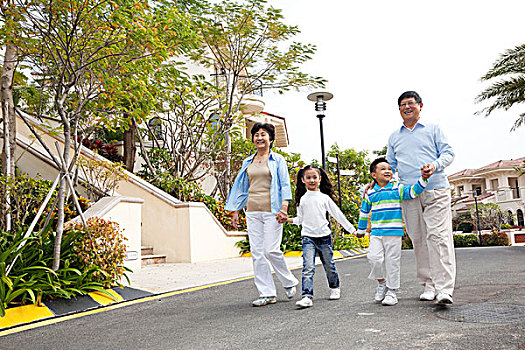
(314, 197)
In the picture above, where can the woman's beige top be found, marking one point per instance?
(259, 191)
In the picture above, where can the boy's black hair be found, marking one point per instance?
(409, 94)
(376, 161)
(269, 128)
(325, 186)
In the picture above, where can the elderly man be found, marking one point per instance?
(420, 146)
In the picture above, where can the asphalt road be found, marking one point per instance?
(490, 289)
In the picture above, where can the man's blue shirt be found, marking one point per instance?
(408, 150)
(279, 187)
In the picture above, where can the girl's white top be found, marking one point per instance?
(311, 214)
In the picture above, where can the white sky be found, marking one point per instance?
(372, 51)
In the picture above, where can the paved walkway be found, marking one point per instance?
(162, 278)
(488, 313)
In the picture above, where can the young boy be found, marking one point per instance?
(384, 252)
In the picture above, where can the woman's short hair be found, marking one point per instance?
(269, 128)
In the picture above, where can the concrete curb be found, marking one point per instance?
(21, 315)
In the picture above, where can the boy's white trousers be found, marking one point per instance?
(265, 235)
(384, 255)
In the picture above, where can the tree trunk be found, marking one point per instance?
(9, 124)
(63, 183)
(129, 147)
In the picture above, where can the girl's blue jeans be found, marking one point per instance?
(323, 247)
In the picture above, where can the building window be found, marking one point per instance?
(494, 185)
(513, 183)
(519, 215)
(478, 191)
(460, 190)
(511, 218)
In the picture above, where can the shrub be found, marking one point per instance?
(100, 244)
(32, 280)
(102, 177)
(468, 240)
(342, 242)
(495, 239)
(406, 242)
(27, 194)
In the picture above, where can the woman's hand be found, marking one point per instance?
(235, 219)
(281, 217)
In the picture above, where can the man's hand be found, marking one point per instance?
(427, 170)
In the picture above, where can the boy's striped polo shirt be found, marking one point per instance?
(385, 205)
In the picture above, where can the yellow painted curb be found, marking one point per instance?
(294, 254)
(337, 254)
(104, 299)
(24, 314)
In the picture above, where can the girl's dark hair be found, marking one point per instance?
(325, 186)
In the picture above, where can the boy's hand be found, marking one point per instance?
(427, 170)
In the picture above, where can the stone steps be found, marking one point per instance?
(148, 258)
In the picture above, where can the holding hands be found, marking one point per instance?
(427, 170)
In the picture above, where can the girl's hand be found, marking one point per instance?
(235, 219)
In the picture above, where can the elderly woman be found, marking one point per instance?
(263, 187)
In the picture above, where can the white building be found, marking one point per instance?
(499, 183)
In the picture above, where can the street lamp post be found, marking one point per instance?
(320, 106)
(336, 161)
(477, 215)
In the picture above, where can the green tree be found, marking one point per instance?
(508, 87)
(251, 49)
(93, 59)
(351, 195)
(491, 216)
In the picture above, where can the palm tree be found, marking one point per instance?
(509, 88)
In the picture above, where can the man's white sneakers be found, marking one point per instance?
(427, 295)
(444, 299)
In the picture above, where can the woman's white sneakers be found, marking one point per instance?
(290, 292)
(262, 301)
(304, 303)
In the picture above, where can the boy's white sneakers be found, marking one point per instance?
(428, 295)
(380, 293)
(390, 298)
(335, 293)
(304, 303)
